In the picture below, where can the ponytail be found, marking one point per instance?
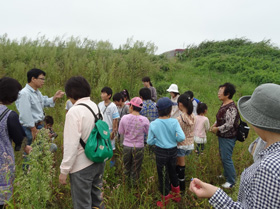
(187, 102)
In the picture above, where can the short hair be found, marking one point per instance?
(190, 93)
(49, 120)
(118, 97)
(9, 89)
(145, 93)
(34, 73)
(107, 90)
(201, 108)
(137, 109)
(185, 99)
(125, 94)
(164, 112)
(229, 89)
(77, 87)
(147, 79)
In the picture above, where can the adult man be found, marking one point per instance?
(31, 103)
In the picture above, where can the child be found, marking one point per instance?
(133, 126)
(165, 133)
(48, 124)
(194, 101)
(186, 121)
(149, 109)
(201, 126)
(147, 83)
(174, 93)
(110, 116)
(123, 109)
(125, 96)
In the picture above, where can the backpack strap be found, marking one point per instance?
(95, 117)
(3, 114)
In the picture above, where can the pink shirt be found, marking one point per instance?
(133, 127)
(201, 126)
(78, 124)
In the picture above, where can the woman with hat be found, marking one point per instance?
(174, 94)
(259, 183)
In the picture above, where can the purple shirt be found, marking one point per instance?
(133, 127)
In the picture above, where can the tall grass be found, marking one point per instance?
(119, 69)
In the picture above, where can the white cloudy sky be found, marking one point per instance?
(169, 24)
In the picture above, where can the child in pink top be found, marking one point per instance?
(201, 126)
(133, 126)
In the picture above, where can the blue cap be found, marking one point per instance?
(164, 103)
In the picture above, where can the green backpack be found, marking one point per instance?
(98, 147)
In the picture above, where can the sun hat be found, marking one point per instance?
(136, 101)
(173, 88)
(164, 103)
(262, 108)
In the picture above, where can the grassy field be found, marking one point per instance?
(120, 69)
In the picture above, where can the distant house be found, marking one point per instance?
(173, 53)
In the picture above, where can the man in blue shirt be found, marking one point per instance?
(31, 103)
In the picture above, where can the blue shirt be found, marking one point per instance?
(30, 104)
(149, 110)
(165, 133)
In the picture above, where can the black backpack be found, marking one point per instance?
(242, 131)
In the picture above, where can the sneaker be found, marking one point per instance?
(227, 185)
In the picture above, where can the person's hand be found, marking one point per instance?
(34, 132)
(62, 179)
(202, 189)
(27, 149)
(214, 129)
(58, 94)
(112, 135)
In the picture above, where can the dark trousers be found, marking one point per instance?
(86, 186)
(199, 148)
(133, 158)
(166, 168)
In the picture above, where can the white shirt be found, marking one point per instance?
(109, 113)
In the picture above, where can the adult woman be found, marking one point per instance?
(174, 94)
(10, 128)
(85, 176)
(259, 184)
(148, 84)
(225, 127)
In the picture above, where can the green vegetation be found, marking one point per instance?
(255, 62)
(201, 69)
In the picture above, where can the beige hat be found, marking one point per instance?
(173, 88)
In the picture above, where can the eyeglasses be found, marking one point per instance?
(41, 79)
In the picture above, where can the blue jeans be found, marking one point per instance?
(29, 134)
(226, 148)
(182, 152)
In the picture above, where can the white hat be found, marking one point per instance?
(173, 88)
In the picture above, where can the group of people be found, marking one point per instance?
(167, 127)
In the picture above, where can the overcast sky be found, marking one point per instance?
(168, 24)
